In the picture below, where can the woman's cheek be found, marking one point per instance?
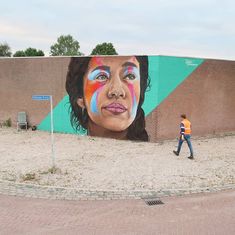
(133, 90)
(92, 94)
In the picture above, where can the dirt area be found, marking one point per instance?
(105, 164)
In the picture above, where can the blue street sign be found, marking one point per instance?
(41, 97)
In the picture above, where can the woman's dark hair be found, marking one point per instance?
(74, 86)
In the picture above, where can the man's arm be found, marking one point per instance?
(182, 130)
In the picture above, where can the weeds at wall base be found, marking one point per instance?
(6, 123)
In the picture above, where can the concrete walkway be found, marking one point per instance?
(211, 213)
(66, 193)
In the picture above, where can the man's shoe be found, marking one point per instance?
(191, 157)
(176, 153)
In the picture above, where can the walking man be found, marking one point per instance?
(185, 134)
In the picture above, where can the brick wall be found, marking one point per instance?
(207, 96)
(20, 78)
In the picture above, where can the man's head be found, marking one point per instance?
(183, 116)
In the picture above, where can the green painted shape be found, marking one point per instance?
(165, 74)
(150, 101)
(61, 119)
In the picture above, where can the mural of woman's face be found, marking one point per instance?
(112, 91)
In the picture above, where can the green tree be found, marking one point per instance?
(19, 54)
(65, 46)
(33, 52)
(104, 49)
(29, 52)
(5, 50)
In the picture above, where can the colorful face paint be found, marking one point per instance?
(95, 62)
(96, 73)
(94, 100)
(131, 73)
(97, 79)
(133, 97)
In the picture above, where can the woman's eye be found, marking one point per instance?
(130, 76)
(102, 77)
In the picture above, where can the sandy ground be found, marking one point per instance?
(105, 164)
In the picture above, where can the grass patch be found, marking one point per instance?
(28, 176)
(7, 123)
(52, 170)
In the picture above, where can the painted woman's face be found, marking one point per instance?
(112, 91)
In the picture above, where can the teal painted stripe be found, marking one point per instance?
(166, 73)
(151, 94)
(61, 119)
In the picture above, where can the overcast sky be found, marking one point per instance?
(194, 28)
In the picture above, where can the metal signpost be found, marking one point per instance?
(42, 98)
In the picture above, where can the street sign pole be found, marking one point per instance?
(52, 134)
(42, 98)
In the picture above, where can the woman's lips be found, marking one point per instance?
(115, 108)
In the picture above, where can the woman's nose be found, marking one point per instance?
(116, 89)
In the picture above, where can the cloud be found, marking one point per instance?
(22, 36)
(200, 27)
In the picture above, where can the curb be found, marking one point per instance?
(63, 193)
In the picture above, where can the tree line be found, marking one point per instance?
(66, 45)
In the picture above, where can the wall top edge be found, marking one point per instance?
(57, 57)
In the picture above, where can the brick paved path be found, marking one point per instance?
(52, 192)
(212, 213)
